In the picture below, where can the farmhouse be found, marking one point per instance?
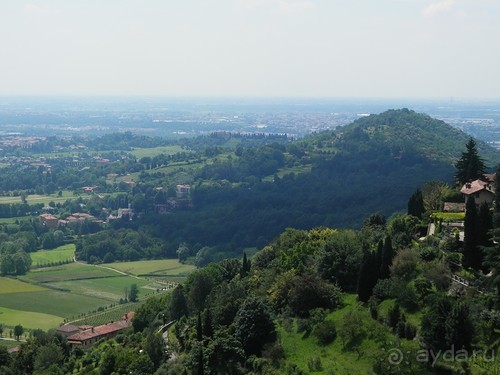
(88, 335)
(49, 220)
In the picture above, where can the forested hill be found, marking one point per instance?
(402, 132)
(334, 179)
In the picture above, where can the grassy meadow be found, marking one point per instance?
(303, 350)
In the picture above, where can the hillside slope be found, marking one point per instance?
(372, 165)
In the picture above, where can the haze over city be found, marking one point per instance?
(256, 48)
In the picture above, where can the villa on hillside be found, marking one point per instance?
(483, 190)
(86, 336)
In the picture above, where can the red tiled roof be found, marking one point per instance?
(67, 328)
(99, 331)
(475, 187)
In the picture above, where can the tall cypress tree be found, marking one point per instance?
(492, 256)
(416, 204)
(470, 166)
(368, 276)
(387, 256)
(472, 257)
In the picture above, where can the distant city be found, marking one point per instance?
(24, 119)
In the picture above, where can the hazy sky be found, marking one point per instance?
(317, 48)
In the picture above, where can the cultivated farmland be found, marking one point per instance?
(46, 297)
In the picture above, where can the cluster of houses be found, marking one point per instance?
(85, 336)
(50, 221)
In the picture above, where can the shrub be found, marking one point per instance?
(325, 332)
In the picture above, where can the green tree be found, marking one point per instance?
(254, 325)
(155, 347)
(368, 277)
(459, 326)
(416, 204)
(492, 254)
(18, 331)
(472, 257)
(133, 293)
(387, 256)
(470, 166)
(178, 305)
(46, 356)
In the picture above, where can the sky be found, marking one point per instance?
(251, 48)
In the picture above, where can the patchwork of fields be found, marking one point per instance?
(49, 296)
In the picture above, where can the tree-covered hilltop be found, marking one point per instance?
(404, 133)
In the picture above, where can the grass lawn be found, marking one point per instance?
(154, 151)
(449, 216)
(61, 253)
(162, 267)
(28, 319)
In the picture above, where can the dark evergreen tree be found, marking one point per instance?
(471, 257)
(433, 327)
(199, 328)
(416, 204)
(387, 256)
(178, 304)
(492, 254)
(208, 329)
(470, 166)
(459, 327)
(245, 267)
(254, 325)
(368, 277)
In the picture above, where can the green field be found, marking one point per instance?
(45, 297)
(59, 254)
(162, 267)
(72, 271)
(154, 151)
(36, 198)
(28, 319)
(9, 286)
(111, 288)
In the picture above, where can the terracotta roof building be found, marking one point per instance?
(88, 335)
(481, 191)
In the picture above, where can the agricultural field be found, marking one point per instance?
(28, 319)
(72, 271)
(110, 288)
(169, 269)
(36, 198)
(59, 254)
(154, 151)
